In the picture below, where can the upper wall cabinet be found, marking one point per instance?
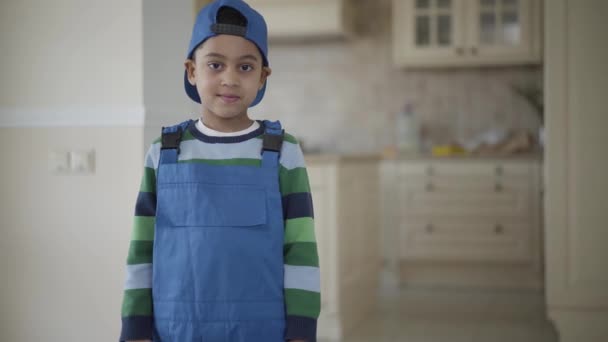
(442, 33)
(288, 19)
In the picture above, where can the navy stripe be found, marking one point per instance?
(300, 328)
(225, 140)
(146, 204)
(137, 328)
(297, 205)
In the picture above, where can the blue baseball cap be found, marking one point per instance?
(206, 26)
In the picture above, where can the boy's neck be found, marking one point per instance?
(235, 124)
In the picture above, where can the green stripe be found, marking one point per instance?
(294, 180)
(226, 162)
(148, 181)
(301, 254)
(303, 303)
(140, 252)
(143, 228)
(300, 229)
(137, 302)
(290, 138)
(187, 136)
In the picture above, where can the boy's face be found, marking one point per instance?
(227, 71)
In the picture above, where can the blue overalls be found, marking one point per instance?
(218, 247)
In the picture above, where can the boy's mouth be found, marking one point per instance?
(228, 98)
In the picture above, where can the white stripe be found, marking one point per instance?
(291, 156)
(195, 149)
(302, 278)
(153, 156)
(139, 277)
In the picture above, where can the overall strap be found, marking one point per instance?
(170, 140)
(272, 143)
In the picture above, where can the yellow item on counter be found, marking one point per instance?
(447, 150)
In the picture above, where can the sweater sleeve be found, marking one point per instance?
(137, 311)
(301, 261)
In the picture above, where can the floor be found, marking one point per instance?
(456, 315)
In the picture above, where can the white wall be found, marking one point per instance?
(64, 238)
(71, 79)
(166, 35)
(71, 53)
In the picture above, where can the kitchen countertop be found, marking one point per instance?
(481, 157)
(313, 158)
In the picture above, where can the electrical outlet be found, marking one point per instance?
(82, 161)
(59, 162)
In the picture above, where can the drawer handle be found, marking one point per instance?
(429, 187)
(498, 187)
(499, 170)
(429, 228)
(499, 229)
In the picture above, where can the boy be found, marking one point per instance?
(223, 245)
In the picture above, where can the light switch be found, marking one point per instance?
(82, 161)
(59, 162)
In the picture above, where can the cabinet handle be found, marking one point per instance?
(429, 187)
(473, 50)
(459, 50)
(429, 228)
(499, 170)
(499, 229)
(498, 187)
(429, 170)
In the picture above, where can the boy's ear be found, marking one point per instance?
(266, 71)
(190, 67)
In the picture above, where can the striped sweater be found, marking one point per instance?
(301, 264)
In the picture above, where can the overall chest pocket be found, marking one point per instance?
(210, 205)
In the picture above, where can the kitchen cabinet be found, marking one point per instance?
(443, 33)
(345, 196)
(576, 169)
(288, 19)
(483, 215)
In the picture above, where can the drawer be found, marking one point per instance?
(465, 168)
(480, 240)
(479, 200)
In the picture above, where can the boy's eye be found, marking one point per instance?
(246, 67)
(214, 66)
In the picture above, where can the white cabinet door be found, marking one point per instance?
(427, 31)
(504, 30)
(441, 33)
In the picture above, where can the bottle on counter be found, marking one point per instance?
(408, 130)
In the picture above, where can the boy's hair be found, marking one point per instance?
(232, 17)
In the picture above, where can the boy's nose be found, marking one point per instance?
(230, 78)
